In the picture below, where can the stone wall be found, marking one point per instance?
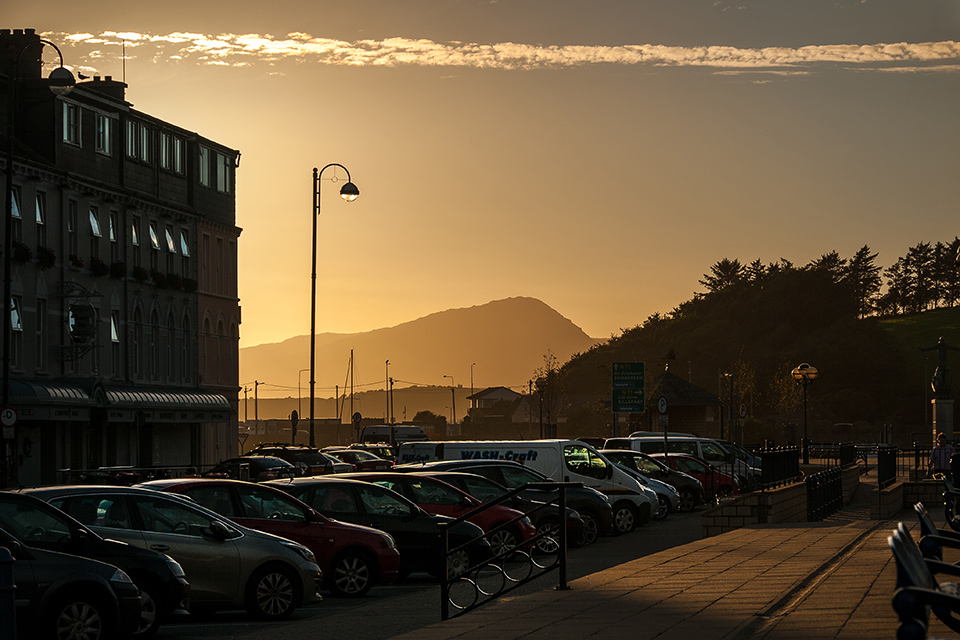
(783, 504)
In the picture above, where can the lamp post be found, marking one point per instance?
(453, 394)
(60, 82)
(386, 390)
(804, 374)
(348, 192)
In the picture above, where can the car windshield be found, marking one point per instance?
(32, 524)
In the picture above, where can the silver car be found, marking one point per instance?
(228, 566)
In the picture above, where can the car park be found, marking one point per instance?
(353, 558)
(310, 460)
(715, 453)
(163, 587)
(506, 528)
(379, 449)
(392, 435)
(668, 498)
(360, 459)
(65, 597)
(417, 533)
(689, 488)
(545, 518)
(228, 566)
(716, 484)
(594, 507)
(254, 468)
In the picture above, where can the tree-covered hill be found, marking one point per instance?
(759, 322)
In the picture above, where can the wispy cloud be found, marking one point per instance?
(246, 49)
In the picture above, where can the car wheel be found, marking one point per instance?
(149, 611)
(550, 530)
(663, 508)
(591, 527)
(272, 593)
(79, 616)
(352, 575)
(624, 518)
(458, 563)
(687, 500)
(502, 542)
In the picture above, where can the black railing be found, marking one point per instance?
(495, 577)
(781, 465)
(886, 465)
(125, 475)
(824, 494)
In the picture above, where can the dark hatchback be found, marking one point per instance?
(416, 532)
(594, 508)
(689, 488)
(163, 587)
(59, 595)
(254, 469)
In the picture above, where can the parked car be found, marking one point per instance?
(310, 460)
(254, 468)
(392, 434)
(229, 566)
(716, 484)
(381, 450)
(360, 459)
(594, 507)
(689, 488)
(545, 518)
(668, 498)
(506, 528)
(353, 558)
(61, 596)
(163, 587)
(416, 532)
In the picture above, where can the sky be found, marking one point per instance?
(598, 155)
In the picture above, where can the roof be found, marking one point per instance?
(680, 393)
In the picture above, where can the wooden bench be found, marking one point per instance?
(951, 502)
(918, 592)
(932, 538)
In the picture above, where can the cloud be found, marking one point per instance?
(247, 49)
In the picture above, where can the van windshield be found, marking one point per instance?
(585, 461)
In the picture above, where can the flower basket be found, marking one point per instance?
(118, 269)
(174, 281)
(76, 261)
(189, 285)
(159, 279)
(98, 268)
(21, 253)
(140, 274)
(46, 258)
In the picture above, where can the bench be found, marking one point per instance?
(918, 592)
(932, 538)
(951, 502)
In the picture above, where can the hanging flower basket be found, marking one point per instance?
(118, 269)
(174, 281)
(159, 279)
(76, 261)
(46, 258)
(140, 274)
(21, 253)
(98, 268)
(189, 285)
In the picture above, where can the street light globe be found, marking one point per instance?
(349, 192)
(804, 372)
(61, 81)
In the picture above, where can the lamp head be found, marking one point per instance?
(349, 192)
(61, 81)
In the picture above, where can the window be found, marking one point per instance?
(138, 141)
(185, 253)
(95, 233)
(41, 214)
(131, 139)
(103, 134)
(71, 123)
(204, 168)
(41, 339)
(114, 244)
(260, 504)
(154, 246)
(585, 461)
(223, 173)
(165, 150)
(115, 342)
(73, 216)
(16, 336)
(135, 239)
(17, 227)
(178, 149)
(143, 143)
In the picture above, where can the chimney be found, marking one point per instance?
(23, 45)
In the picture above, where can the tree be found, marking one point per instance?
(833, 264)
(547, 386)
(430, 418)
(723, 274)
(864, 277)
(919, 267)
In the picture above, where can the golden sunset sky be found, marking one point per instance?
(598, 155)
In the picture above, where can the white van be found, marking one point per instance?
(392, 434)
(706, 449)
(561, 460)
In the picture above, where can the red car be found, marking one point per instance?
(362, 460)
(353, 558)
(716, 483)
(440, 498)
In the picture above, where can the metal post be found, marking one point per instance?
(8, 610)
(806, 441)
(562, 510)
(313, 298)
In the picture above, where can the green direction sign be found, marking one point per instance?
(628, 395)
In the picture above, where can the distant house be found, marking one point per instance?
(689, 407)
(493, 404)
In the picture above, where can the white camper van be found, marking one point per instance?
(561, 460)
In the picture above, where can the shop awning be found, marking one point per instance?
(165, 405)
(47, 400)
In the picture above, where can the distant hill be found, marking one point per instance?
(507, 340)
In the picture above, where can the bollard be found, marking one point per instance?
(8, 611)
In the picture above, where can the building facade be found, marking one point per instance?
(124, 313)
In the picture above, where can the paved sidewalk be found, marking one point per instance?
(832, 579)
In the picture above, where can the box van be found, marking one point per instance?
(704, 448)
(560, 460)
(392, 434)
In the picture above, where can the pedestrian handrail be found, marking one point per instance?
(781, 465)
(493, 578)
(886, 465)
(824, 494)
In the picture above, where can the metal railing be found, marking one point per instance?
(824, 494)
(781, 465)
(493, 578)
(126, 475)
(886, 465)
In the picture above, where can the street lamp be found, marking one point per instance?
(453, 393)
(348, 192)
(386, 390)
(804, 374)
(60, 82)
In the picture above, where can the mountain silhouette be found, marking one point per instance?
(506, 339)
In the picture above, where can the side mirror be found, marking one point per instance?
(218, 531)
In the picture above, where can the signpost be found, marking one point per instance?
(294, 419)
(627, 391)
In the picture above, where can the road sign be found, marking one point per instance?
(662, 405)
(743, 411)
(627, 383)
(357, 418)
(8, 417)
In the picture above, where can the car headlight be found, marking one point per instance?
(302, 550)
(120, 577)
(388, 540)
(525, 520)
(175, 567)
